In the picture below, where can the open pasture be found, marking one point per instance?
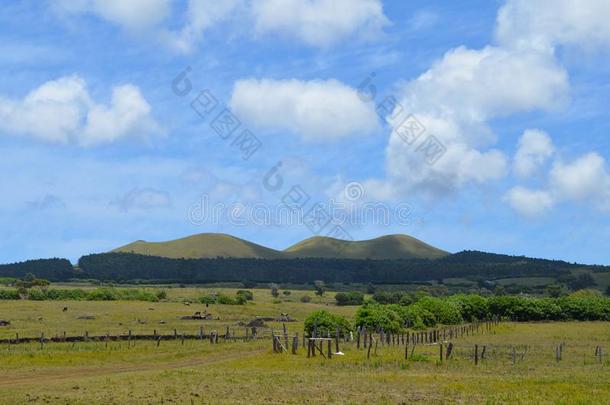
(196, 371)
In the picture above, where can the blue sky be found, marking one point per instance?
(98, 150)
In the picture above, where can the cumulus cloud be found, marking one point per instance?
(542, 24)
(317, 110)
(201, 15)
(132, 15)
(585, 178)
(535, 148)
(62, 111)
(319, 22)
(530, 203)
(455, 99)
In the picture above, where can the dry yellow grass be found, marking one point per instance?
(248, 372)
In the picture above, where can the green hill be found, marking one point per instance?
(212, 245)
(384, 247)
(201, 246)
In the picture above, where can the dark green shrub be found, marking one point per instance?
(374, 316)
(246, 294)
(349, 298)
(11, 294)
(445, 312)
(326, 323)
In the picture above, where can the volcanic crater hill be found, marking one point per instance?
(212, 245)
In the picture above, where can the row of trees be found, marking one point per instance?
(431, 311)
(78, 294)
(130, 267)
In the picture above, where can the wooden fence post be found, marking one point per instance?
(440, 352)
(337, 341)
(295, 344)
(476, 355)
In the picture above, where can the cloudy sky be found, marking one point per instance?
(479, 126)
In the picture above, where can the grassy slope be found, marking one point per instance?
(205, 245)
(385, 247)
(210, 245)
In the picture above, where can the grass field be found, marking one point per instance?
(249, 372)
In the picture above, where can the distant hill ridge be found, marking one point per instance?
(212, 245)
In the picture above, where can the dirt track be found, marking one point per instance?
(68, 374)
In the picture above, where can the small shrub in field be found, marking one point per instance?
(349, 298)
(207, 299)
(305, 299)
(225, 300)
(286, 292)
(11, 294)
(246, 294)
(326, 323)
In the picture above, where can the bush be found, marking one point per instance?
(305, 298)
(240, 299)
(349, 298)
(246, 294)
(326, 323)
(386, 297)
(585, 305)
(415, 317)
(287, 292)
(226, 300)
(472, 307)
(11, 294)
(445, 312)
(207, 299)
(374, 316)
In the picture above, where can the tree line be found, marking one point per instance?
(129, 267)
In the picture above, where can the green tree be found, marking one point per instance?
(324, 322)
(320, 287)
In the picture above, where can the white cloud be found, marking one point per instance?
(200, 15)
(529, 203)
(542, 24)
(128, 112)
(535, 148)
(456, 98)
(62, 111)
(132, 15)
(319, 22)
(320, 110)
(586, 178)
